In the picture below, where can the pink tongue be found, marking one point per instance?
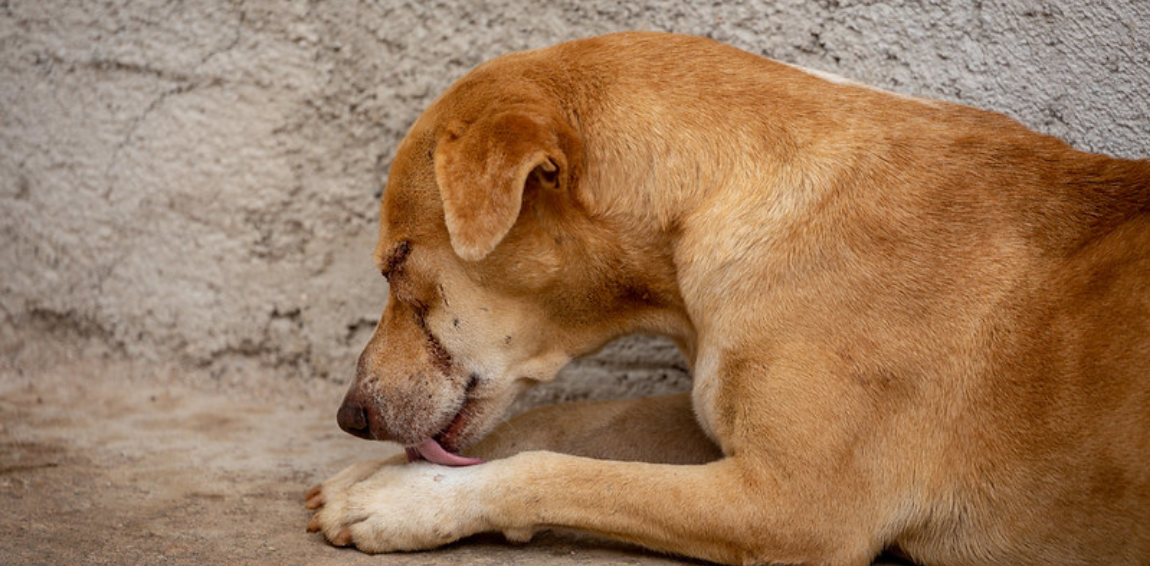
(431, 451)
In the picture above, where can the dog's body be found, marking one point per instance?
(912, 324)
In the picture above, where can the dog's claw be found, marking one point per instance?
(343, 538)
(315, 497)
(314, 491)
(316, 502)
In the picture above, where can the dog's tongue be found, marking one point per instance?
(433, 452)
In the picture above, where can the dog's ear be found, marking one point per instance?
(483, 168)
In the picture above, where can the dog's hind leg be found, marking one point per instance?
(659, 430)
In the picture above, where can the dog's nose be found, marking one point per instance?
(352, 418)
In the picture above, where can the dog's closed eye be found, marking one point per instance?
(393, 265)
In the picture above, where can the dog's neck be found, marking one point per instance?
(694, 209)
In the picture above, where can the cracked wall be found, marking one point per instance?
(199, 181)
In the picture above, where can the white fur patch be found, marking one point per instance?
(407, 507)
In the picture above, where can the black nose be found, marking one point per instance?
(352, 418)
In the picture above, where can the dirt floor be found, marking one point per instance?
(104, 461)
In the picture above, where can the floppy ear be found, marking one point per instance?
(483, 168)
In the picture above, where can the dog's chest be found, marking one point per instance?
(704, 392)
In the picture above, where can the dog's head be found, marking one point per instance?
(499, 273)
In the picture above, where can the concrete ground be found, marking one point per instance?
(104, 461)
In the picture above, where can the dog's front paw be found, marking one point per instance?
(384, 506)
(353, 474)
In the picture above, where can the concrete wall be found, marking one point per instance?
(199, 181)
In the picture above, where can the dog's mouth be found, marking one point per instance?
(442, 447)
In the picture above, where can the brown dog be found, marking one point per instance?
(912, 324)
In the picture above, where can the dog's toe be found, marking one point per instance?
(316, 501)
(315, 497)
(343, 538)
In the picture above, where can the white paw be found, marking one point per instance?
(385, 507)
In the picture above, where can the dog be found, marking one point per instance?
(913, 326)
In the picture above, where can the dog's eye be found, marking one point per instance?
(394, 262)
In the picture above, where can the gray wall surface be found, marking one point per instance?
(199, 181)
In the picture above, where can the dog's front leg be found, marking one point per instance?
(720, 511)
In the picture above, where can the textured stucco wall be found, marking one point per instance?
(198, 181)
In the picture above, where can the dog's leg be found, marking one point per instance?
(728, 511)
(654, 429)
